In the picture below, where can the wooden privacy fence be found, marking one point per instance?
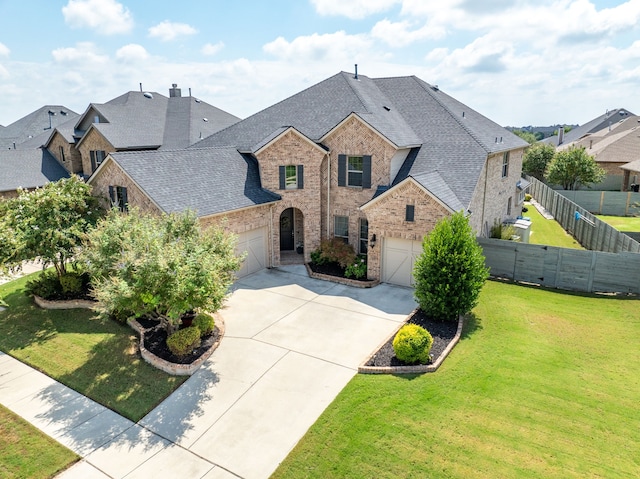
(614, 203)
(590, 232)
(563, 268)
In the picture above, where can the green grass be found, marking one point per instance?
(548, 232)
(25, 452)
(542, 384)
(96, 357)
(622, 223)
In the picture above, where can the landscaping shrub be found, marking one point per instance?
(527, 197)
(502, 231)
(334, 250)
(412, 344)
(46, 285)
(357, 270)
(205, 323)
(71, 283)
(184, 341)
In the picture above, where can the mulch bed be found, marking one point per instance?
(155, 341)
(331, 269)
(442, 332)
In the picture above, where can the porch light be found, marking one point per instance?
(372, 241)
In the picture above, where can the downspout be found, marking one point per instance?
(271, 234)
(484, 195)
(328, 194)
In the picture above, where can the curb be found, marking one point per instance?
(64, 304)
(418, 369)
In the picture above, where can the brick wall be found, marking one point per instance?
(93, 140)
(387, 219)
(72, 158)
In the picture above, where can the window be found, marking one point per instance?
(364, 236)
(341, 228)
(118, 197)
(96, 119)
(97, 157)
(409, 213)
(62, 158)
(505, 164)
(292, 177)
(354, 171)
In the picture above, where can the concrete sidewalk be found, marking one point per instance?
(291, 344)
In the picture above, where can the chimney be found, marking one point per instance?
(560, 135)
(174, 91)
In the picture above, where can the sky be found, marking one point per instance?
(518, 62)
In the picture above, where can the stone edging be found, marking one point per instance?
(64, 304)
(420, 368)
(174, 368)
(336, 279)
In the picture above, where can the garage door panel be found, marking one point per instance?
(254, 244)
(398, 258)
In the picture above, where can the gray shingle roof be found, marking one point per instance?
(208, 180)
(608, 118)
(453, 139)
(34, 127)
(28, 168)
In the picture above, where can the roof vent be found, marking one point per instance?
(197, 100)
(147, 94)
(386, 108)
(462, 114)
(356, 75)
(435, 88)
(205, 119)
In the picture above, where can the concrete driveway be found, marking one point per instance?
(291, 344)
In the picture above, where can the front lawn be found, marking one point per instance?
(96, 357)
(27, 452)
(542, 384)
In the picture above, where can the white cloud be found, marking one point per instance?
(400, 34)
(334, 46)
(132, 53)
(167, 30)
(4, 50)
(211, 49)
(107, 17)
(354, 9)
(84, 54)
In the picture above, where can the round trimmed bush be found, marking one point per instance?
(184, 341)
(205, 323)
(412, 344)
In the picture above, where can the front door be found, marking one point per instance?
(286, 230)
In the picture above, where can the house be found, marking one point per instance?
(613, 146)
(136, 120)
(599, 123)
(374, 162)
(27, 169)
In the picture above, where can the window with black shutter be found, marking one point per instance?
(409, 213)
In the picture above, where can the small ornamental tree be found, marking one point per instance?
(48, 223)
(573, 167)
(450, 271)
(159, 266)
(536, 158)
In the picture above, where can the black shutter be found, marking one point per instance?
(125, 199)
(366, 171)
(282, 177)
(112, 195)
(342, 170)
(92, 154)
(409, 213)
(300, 177)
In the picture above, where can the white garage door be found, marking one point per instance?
(254, 243)
(398, 257)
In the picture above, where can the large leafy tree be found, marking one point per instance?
(573, 167)
(48, 223)
(536, 158)
(161, 266)
(526, 136)
(450, 271)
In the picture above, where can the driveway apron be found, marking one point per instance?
(291, 345)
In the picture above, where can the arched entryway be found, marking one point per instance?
(291, 236)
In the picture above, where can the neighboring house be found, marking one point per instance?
(609, 118)
(32, 131)
(28, 169)
(614, 146)
(374, 162)
(136, 120)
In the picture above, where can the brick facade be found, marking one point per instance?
(72, 160)
(92, 140)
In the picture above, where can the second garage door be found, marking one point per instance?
(254, 243)
(398, 258)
